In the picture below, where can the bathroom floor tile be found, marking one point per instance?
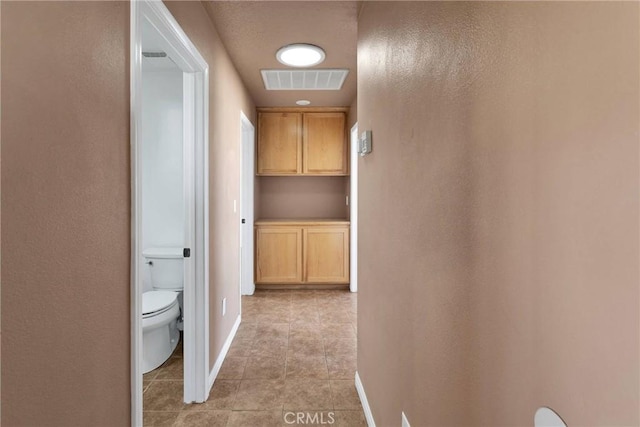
(342, 366)
(163, 396)
(259, 395)
(178, 350)
(172, 369)
(307, 394)
(250, 314)
(349, 419)
(247, 330)
(269, 347)
(305, 330)
(272, 330)
(255, 419)
(202, 419)
(345, 395)
(265, 368)
(335, 347)
(274, 317)
(150, 375)
(307, 367)
(338, 330)
(232, 368)
(334, 316)
(305, 347)
(240, 348)
(304, 313)
(302, 298)
(159, 419)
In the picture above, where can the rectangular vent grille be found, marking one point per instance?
(327, 79)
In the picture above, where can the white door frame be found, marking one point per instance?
(196, 112)
(247, 177)
(353, 206)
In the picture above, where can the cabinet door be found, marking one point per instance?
(326, 254)
(279, 143)
(278, 255)
(324, 142)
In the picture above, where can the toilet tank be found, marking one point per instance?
(167, 267)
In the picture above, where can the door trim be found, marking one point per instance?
(196, 294)
(353, 209)
(248, 150)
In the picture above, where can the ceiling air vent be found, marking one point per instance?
(304, 79)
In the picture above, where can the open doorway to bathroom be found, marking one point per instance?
(169, 135)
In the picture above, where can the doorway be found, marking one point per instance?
(181, 74)
(247, 179)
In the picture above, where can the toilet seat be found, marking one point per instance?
(157, 302)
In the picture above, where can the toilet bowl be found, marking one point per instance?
(160, 335)
(161, 307)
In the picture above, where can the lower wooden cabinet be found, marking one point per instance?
(326, 254)
(278, 255)
(289, 252)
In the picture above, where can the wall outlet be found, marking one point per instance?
(405, 421)
(224, 306)
(235, 206)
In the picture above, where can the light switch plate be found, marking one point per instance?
(364, 143)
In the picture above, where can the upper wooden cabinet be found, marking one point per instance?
(324, 146)
(302, 143)
(280, 144)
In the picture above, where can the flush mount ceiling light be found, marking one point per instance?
(300, 55)
(303, 102)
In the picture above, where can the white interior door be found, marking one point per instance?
(247, 284)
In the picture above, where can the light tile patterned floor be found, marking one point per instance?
(293, 359)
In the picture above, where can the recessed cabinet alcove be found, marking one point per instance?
(302, 236)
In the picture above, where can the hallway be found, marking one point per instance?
(294, 356)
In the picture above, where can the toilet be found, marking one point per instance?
(162, 306)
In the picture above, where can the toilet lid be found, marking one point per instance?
(157, 300)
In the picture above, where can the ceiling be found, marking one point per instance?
(252, 32)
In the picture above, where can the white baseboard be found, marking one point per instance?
(365, 403)
(223, 353)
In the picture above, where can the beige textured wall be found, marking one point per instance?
(66, 206)
(352, 115)
(502, 274)
(65, 214)
(227, 97)
(302, 197)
